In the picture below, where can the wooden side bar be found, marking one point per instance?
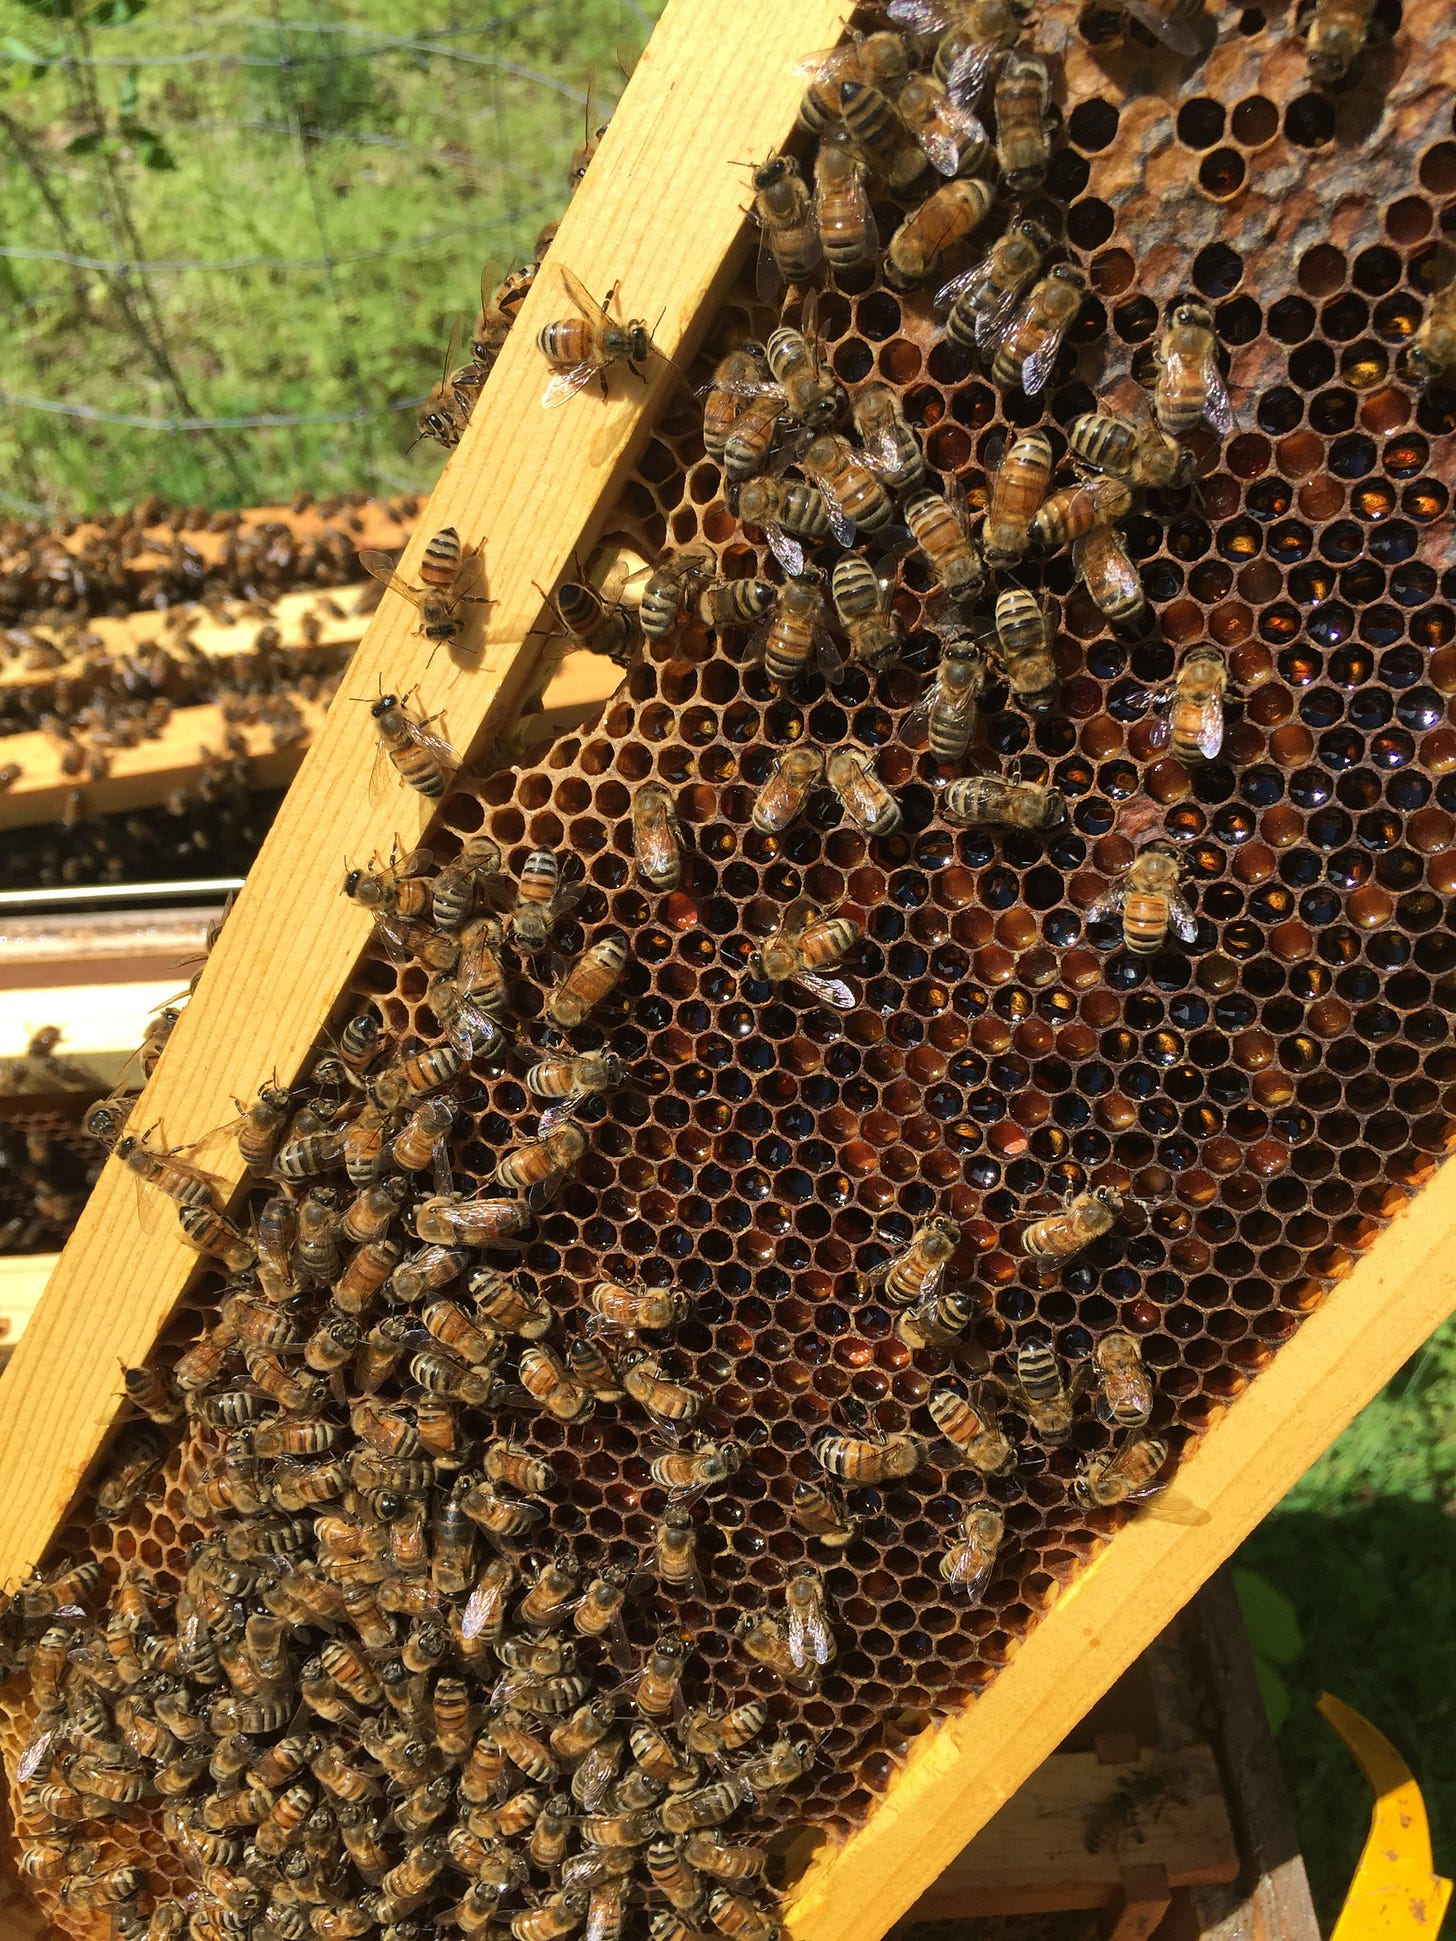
(660, 214)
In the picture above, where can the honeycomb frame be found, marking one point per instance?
(1037, 1012)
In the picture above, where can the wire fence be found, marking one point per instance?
(234, 244)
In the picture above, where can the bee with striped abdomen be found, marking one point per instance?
(1150, 902)
(795, 635)
(862, 602)
(1110, 576)
(950, 707)
(787, 511)
(914, 1275)
(806, 943)
(1024, 648)
(975, 800)
(941, 529)
(1125, 1395)
(408, 742)
(864, 1461)
(969, 1562)
(790, 248)
(1027, 349)
(976, 1437)
(588, 981)
(847, 229)
(862, 795)
(1018, 487)
(980, 301)
(447, 571)
(585, 347)
(1190, 387)
(918, 248)
(570, 1078)
(656, 836)
(1085, 1218)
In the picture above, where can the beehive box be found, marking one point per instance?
(1274, 1094)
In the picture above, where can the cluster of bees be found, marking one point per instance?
(386, 1693)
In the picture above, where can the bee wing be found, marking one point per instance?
(827, 657)
(1210, 729)
(1181, 35)
(820, 1642)
(566, 384)
(1108, 905)
(1181, 920)
(1217, 407)
(831, 990)
(923, 15)
(798, 1635)
(840, 524)
(424, 736)
(382, 566)
(993, 318)
(971, 71)
(797, 917)
(1118, 576)
(823, 65)
(971, 281)
(40, 1745)
(786, 550)
(969, 1570)
(1037, 367)
(585, 302)
(564, 1109)
(944, 147)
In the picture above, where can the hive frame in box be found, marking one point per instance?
(291, 944)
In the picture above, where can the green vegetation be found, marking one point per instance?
(1363, 1550)
(344, 169)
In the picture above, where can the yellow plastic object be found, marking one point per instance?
(1395, 1891)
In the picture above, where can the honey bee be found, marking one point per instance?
(260, 1128)
(1085, 1218)
(447, 570)
(864, 1461)
(949, 709)
(742, 1919)
(673, 1876)
(738, 603)
(588, 1363)
(538, 1168)
(446, 411)
(855, 497)
(1017, 490)
(1193, 703)
(862, 795)
(976, 1437)
(1141, 452)
(806, 1608)
(980, 301)
(656, 836)
(795, 634)
(806, 942)
(451, 1220)
(669, 1403)
(571, 1077)
(508, 1307)
(862, 602)
(1433, 350)
(183, 1182)
(847, 230)
(882, 60)
(151, 1391)
(880, 135)
(1024, 639)
(418, 755)
(766, 1642)
(790, 250)
(586, 346)
(740, 375)
(940, 526)
(659, 1685)
(1109, 575)
(927, 235)
(599, 1613)
(1027, 349)
(211, 1233)
(632, 1307)
(1023, 122)
(822, 1515)
(498, 308)
(689, 1474)
(971, 1559)
(890, 443)
(670, 587)
(589, 981)
(1075, 510)
(1129, 1473)
(913, 1276)
(1040, 1392)
(586, 616)
(1125, 1394)
(979, 799)
(811, 396)
(1335, 38)
(710, 1734)
(676, 1545)
(1189, 385)
(749, 441)
(545, 1378)
(787, 511)
(950, 135)
(1150, 902)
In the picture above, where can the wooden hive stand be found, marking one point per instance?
(661, 214)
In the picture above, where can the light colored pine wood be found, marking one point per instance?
(1033, 1856)
(661, 213)
(960, 1773)
(146, 775)
(217, 638)
(102, 1024)
(143, 776)
(23, 1280)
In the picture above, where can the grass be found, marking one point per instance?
(400, 142)
(1363, 1548)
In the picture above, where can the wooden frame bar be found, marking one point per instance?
(537, 486)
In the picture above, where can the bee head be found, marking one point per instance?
(384, 705)
(639, 343)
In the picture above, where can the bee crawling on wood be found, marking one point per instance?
(585, 347)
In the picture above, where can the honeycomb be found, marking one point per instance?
(1270, 1093)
